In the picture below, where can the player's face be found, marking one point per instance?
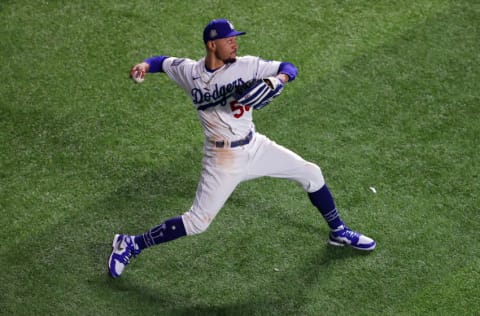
(226, 49)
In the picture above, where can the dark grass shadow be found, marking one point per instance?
(303, 278)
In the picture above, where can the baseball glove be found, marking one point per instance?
(258, 93)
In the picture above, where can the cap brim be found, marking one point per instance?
(232, 33)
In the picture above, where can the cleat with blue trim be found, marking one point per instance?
(343, 236)
(123, 249)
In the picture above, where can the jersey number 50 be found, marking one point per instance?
(238, 109)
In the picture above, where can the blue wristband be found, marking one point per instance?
(156, 63)
(288, 69)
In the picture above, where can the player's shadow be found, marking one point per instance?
(305, 277)
(308, 275)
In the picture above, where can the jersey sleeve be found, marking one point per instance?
(179, 70)
(266, 68)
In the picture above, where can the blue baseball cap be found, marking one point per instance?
(220, 28)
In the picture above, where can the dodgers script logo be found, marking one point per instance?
(205, 99)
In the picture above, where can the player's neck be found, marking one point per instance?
(212, 63)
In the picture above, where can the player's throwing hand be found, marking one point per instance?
(138, 72)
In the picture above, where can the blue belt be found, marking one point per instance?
(236, 143)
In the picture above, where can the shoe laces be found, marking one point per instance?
(131, 251)
(346, 232)
(350, 234)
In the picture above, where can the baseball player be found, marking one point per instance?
(226, 90)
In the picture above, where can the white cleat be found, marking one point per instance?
(123, 249)
(343, 236)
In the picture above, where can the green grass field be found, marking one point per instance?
(387, 97)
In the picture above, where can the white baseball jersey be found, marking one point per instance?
(224, 120)
(211, 92)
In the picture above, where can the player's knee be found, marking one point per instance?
(196, 223)
(316, 180)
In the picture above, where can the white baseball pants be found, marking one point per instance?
(225, 168)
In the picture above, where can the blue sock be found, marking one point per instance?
(323, 200)
(167, 231)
